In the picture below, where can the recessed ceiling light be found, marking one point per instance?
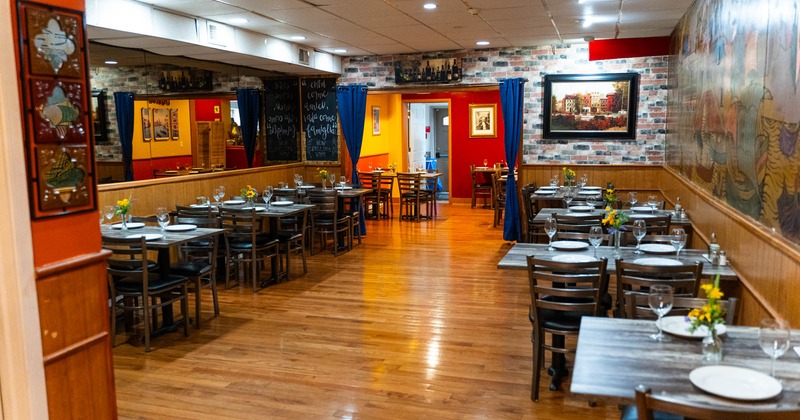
(340, 50)
(429, 6)
(238, 21)
(482, 43)
(111, 62)
(297, 38)
(587, 22)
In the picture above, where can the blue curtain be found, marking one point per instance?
(123, 101)
(249, 101)
(352, 103)
(511, 100)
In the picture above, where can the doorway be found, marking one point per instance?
(429, 141)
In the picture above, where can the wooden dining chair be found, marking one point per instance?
(637, 278)
(582, 223)
(292, 234)
(135, 285)
(658, 225)
(372, 200)
(529, 208)
(247, 245)
(651, 406)
(411, 197)
(328, 219)
(561, 294)
(386, 197)
(200, 211)
(498, 198)
(198, 262)
(637, 306)
(480, 188)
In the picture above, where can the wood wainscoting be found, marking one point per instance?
(74, 321)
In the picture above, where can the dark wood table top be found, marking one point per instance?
(171, 238)
(548, 212)
(516, 258)
(273, 210)
(615, 355)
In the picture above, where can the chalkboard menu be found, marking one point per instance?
(282, 110)
(319, 119)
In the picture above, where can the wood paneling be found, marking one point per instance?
(112, 171)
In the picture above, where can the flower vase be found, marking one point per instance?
(124, 222)
(617, 248)
(250, 202)
(712, 347)
(323, 183)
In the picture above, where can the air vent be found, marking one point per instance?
(303, 56)
(213, 33)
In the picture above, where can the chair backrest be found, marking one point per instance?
(578, 236)
(499, 187)
(636, 306)
(325, 202)
(658, 225)
(143, 219)
(286, 195)
(240, 224)
(636, 278)
(582, 223)
(128, 258)
(369, 180)
(529, 205)
(566, 286)
(647, 403)
(202, 222)
(386, 184)
(189, 211)
(409, 183)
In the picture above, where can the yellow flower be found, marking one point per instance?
(123, 206)
(248, 192)
(711, 313)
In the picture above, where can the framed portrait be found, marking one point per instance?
(593, 106)
(483, 121)
(161, 124)
(376, 120)
(147, 125)
(99, 116)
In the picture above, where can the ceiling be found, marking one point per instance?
(380, 27)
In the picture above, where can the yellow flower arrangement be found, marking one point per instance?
(711, 313)
(392, 166)
(569, 174)
(323, 173)
(123, 206)
(610, 197)
(614, 220)
(249, 192)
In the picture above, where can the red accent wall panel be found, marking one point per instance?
(204, 110)
(608, 49)
(143, 168)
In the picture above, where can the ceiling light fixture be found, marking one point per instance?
(429, 6)
(111, 62)
(297, 38)
(587, 22)
(588, 38)
(482, 43)
(340, 50)
(238, 21)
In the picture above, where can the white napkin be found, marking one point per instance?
(797, 350)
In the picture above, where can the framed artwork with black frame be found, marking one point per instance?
(590, 106)
(99, 116)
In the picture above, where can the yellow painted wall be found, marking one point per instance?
(391, 119)
(156, 149)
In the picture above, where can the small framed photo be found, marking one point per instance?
(161, 124)
(376, 120)
(147, 126)
(483, 121)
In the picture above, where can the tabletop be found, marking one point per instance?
(548, 212)
(516, 258)
(170, 238)
(615, 355)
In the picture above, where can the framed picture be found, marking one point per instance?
(483, 121)
(174, 129)
(161, 124)
(99, 116)
(147, 125)
(594, 106)
(376, 120)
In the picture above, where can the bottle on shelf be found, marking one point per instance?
(428, 71)
(455, 70)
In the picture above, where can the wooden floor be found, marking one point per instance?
(415, 323)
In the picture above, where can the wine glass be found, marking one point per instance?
(591, 200)
(568, 195)
(652, 201)
(216, 195)
(639, 231)
(633, 198)
(299, 181)
(550, 228)
(267, 195)
(296, 178)
(486, 163)
(162, 216)
(109, 212)
(584, 180)
(332, 179)
(595, 237)
(774, 337)
(221, 192)
(554, 181)
(678, 240)
(342, 181)
(660, 301)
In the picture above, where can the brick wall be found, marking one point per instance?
(532, 63)
(143, 81)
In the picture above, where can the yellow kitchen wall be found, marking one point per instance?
(182, 146)
(391, 117)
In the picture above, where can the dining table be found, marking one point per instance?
(516, 258)
(616, 355)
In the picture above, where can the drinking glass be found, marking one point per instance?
(162, 216)
(652, 201)
(216, 195)
(590, 200)
(486, 163)
(633, 198)
(296, 178)
(299, 181)
(268, 191)
(660, 301)
(332, 178)
(554, 181)
(678, 240)
(550, 228)
(221, 192)
(109, 212)
(584, 180)
(568, 195)
(774, 337)
(639, 231)
(595, 237)
(342, 181)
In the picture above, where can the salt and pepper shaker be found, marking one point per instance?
(723, 259)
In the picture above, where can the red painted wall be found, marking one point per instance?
(465, 151)
(204, 110)
(609, 49)
(143, 168)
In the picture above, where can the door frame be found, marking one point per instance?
(406, 106)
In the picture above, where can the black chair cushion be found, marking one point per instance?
(190, 268)
(562, 320)
(156, 283)
(261, 240)
(629, 412)
(288, 235)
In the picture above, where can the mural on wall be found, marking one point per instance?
(735, 109)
